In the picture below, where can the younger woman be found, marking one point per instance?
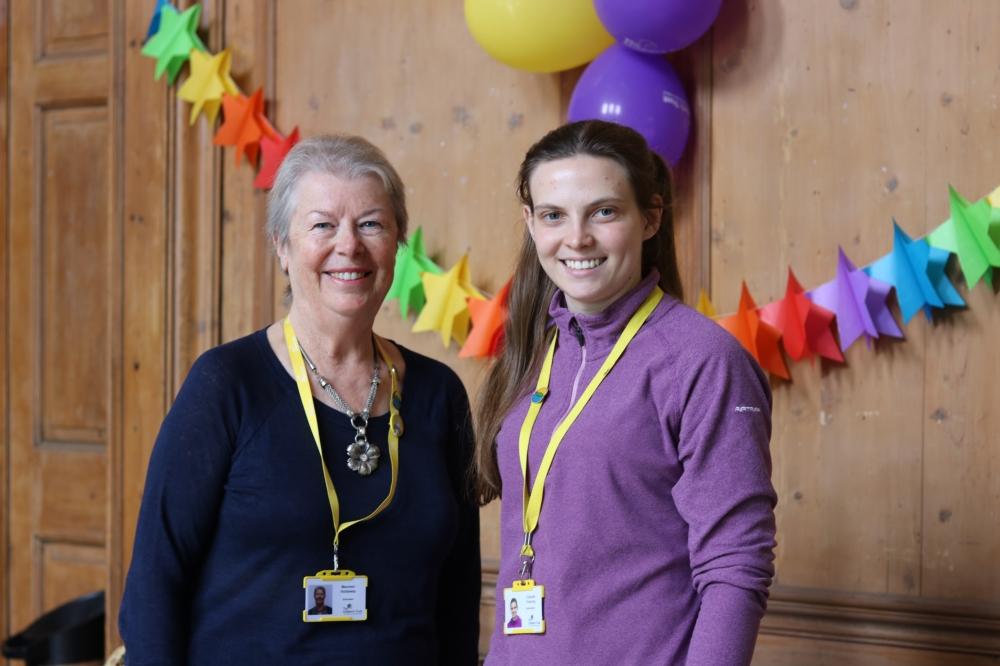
(653, 540)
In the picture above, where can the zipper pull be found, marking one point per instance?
(574, 327)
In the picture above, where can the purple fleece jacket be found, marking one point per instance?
(656, 535)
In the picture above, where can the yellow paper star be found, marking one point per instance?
(705, 305)
(446, 310)
(208, 82)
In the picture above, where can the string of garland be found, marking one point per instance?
(802, 324)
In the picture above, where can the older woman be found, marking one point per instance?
(313, 459)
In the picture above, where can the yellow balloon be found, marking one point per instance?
(538, 35)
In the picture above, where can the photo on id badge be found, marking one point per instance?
(523, 611)
(334, 600)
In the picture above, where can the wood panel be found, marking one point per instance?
(60, 305)
(783, 651)
(74, 255)
(194, 200)
(961, 503)
(247, 259)
(68, 569)
(71, 28)
(4, 319)
(828, 121)
(143, 159)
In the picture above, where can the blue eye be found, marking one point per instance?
(606, 211)
(370, 227)
(551, 216)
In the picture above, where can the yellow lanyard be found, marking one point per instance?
(395, 430)
(531, 499)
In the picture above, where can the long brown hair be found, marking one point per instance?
(532, 290)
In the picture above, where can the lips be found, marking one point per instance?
(583, 264)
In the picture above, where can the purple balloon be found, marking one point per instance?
(657, 26)
(640, 91)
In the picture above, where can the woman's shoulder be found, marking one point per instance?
(235, 363)
(692, 345)
(423, 370)
(682, 328)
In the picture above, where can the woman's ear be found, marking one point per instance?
(281, 249)
(653, 217)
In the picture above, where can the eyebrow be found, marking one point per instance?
(325, 213)
(596, 203)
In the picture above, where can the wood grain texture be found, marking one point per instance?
(59, 279)
(144, 279)
(4, 309)
(247, 265)
(828, 121)
(195, 184)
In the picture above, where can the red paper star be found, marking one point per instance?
(806, 328)
(273, 151)
(488, 318)
(243, 124)
(757, 337)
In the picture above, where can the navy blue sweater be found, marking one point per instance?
(235, 513)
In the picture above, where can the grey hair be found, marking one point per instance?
(340, 155)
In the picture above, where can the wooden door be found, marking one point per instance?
(61, 302)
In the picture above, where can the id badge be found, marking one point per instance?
(335, 596)
(523, 612)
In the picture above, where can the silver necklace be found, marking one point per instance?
(362, 455)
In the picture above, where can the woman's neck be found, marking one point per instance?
(333, 342)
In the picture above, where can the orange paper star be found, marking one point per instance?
(273, 151)
(757, 337)
(806, 328)
(488, 318)
(243, 124)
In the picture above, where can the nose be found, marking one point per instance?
(578, 234)
(348, 242)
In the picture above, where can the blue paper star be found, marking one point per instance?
(916, 270)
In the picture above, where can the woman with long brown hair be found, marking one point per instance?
(649, 537)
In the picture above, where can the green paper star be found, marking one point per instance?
(173, 42)
(407, 287)
(968, 234)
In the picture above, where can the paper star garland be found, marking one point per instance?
(967, 234)
(154, 23)
(411, 262)
(859, 301)
(916, 270)
(243, 125)
(488, 318)
(704, 305)
(446, 310)
(757, 337)
(806, 328)
(273, 151)
(174, 40)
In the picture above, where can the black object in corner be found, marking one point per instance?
(70, 633)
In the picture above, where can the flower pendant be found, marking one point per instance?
(362, 457)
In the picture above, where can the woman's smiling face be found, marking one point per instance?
(588, 229)
(341, 247)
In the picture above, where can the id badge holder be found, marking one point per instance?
(335, 596)
(523, 608)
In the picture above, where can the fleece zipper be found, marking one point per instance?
(578, 334)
